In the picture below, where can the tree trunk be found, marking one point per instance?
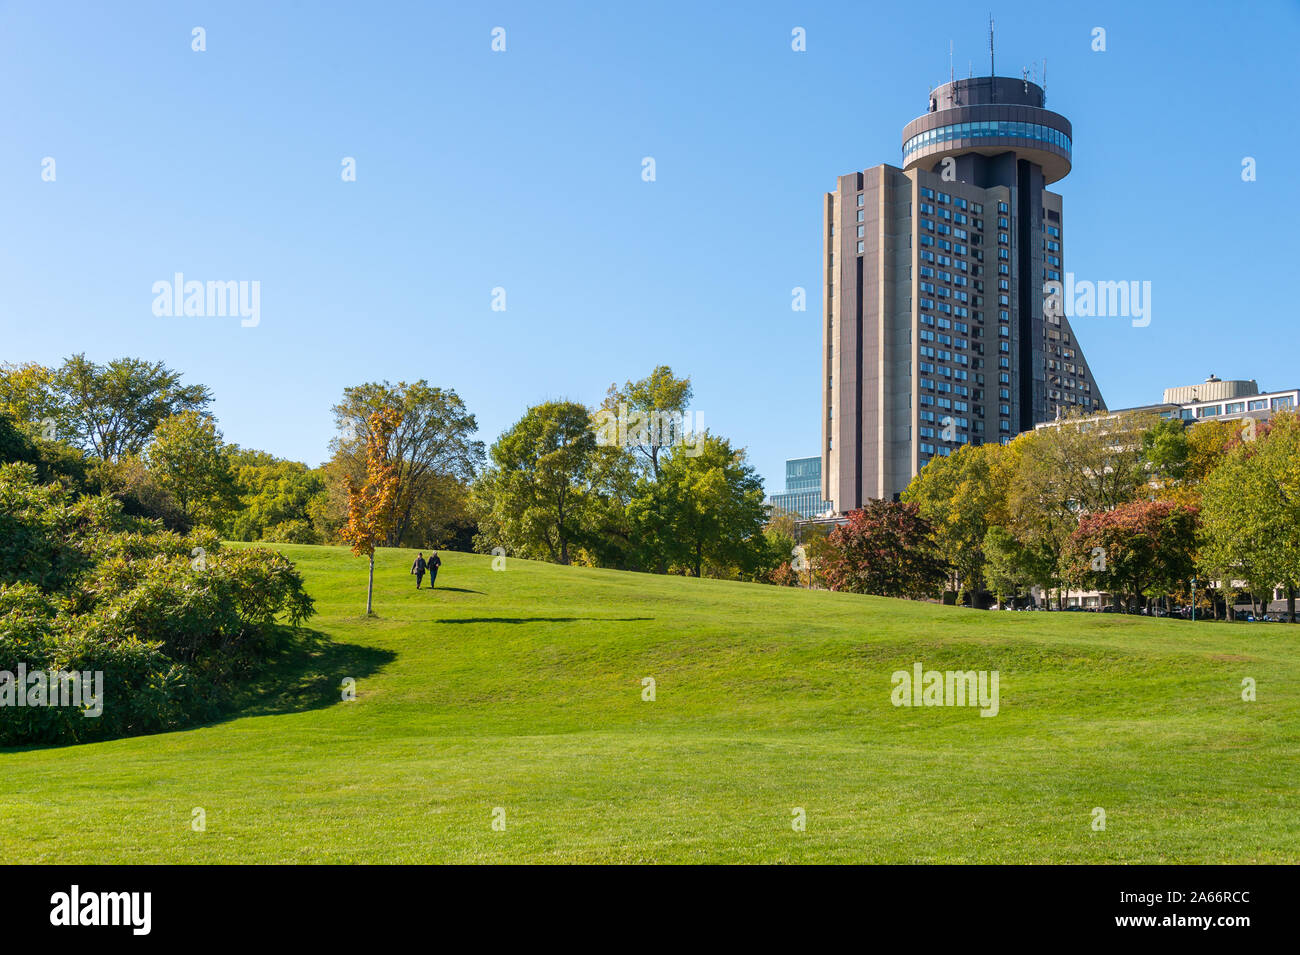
(1290, 604)
(370, 585)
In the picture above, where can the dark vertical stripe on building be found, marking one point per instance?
(1025, 318)
(857, 392)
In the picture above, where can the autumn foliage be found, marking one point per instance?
(370, 505)
(1136, 549)
(886, 548)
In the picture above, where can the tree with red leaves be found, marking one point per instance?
(1141, 548)
(887, 548)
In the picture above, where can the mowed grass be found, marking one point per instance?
(522, 689)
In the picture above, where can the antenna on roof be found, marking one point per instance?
(993, 90)
(992, 71)
(1044, 81)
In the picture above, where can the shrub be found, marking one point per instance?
(169, 620)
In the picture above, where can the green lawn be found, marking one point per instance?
(522, 690)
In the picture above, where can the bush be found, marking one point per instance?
(169, 620)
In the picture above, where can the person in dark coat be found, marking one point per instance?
(434, 563)
(418, 569)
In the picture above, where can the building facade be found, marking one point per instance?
(1216, 400)
(1212, 400)
(803, 488)
(935, 333)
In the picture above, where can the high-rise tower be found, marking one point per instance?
(935, 333)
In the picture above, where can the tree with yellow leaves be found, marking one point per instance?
(370, 505)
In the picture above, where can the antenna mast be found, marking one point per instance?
(993, 89)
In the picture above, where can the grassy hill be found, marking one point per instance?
(522, 689)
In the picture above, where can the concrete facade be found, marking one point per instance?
(935, 333)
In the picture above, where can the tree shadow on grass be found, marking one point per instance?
(457, 590)
(538, 619)
(307, 674)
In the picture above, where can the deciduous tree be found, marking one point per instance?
(112, 410)
(886, 548)
(370, 504)
(187, 460)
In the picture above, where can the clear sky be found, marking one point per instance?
(523, 170)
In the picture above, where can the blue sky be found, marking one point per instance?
(522, 170)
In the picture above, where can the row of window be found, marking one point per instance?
(1283, 403)
(994, 129)
(943, 197)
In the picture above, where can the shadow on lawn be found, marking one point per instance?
(457, 590)
(306, 675)
(538, 619)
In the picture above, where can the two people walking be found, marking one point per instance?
(421, 566)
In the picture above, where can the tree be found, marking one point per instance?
(113, 409)
(277, 498)
(1136, 549)
(712, 504)
(787, 565)
(370, 505)
(27, 395)
(959, 495)
(886, 548)
(187, 459)
(54, 460)
(534, 498)
(1251, 513)
(432, 442)
(1166, 450)
(1076, 466)
(1009, 568)
(647, 415)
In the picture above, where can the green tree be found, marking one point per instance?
(432, 443)
(28, 398)
(1251, 513)
(1166, 450)
(645, 416)
(960, 495)
(1009, 568)
(276, 498)
(534, 498)
(712, 502)
(187, 459)
(114, 409)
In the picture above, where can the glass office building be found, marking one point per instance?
(803, 488)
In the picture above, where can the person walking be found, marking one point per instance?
(434, 563)
(418, 568)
